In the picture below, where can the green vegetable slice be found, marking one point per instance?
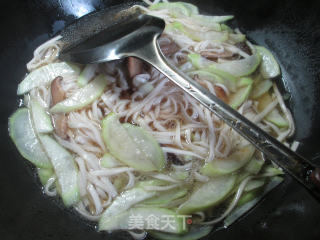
(132, 145)
(207, 21)
(65, 170)
(153, 182)
(45, 174)
(41, 119)
(236, 99)
(269, 67)
(230, 83)
(122, 203)
(108, 161)
(22, 133)
(237, 37)
(165, 198)
(254, 185)
(208, 195)
(194, 233)
(198, 61)
(215, 36)
(222, 166)
(206, 67)
(87, 74)
(242, 67)
(261, 88)
(83, 96)
(126, 220)
(254, 166)
(244, 81)
(176, 9)
(274, 116)
(211, 19)
(45, 75)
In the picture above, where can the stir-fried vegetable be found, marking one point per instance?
(132, 145)
(208, 195)
(65, 169)
(234, 162)
(45, 75)
(41, 118)
(23, 135)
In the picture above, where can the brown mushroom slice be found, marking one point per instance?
(57, 92)
(168, 49)
(214, 55)
(220, 93)
(135, 66)
(244, 47)
(60, 122)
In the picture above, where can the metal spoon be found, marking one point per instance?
(132, 33)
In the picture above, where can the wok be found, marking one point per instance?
(291, 29)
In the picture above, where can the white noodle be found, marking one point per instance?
(49, 185)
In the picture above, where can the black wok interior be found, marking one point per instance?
(291, 29)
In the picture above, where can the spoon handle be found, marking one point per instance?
(298, 167)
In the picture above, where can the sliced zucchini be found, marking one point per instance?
(254, 166)
(165, 198)
(208, 195)
(176, 9)
(215, 36)
(273, 171)
(132, 145)
(193, 9)
(153, 182)
(126, 220)
(209, 35)
(274, 116)
(44, 75)
(247, 197)
(194, 233)
(108, 161)
(261, 88)
(269, 67)
(211, 19)
(64, 168)
(254, 185)
(242, 67)
(179, 175)
(230, 83)
(236, 99)
(206, 21)
(22, 133)
(122, 203)
(244, 81)
(87, 74)
(41, 119)
(237, 37)
(45, 174)
(226, 28)
(222, 166)
(198, 61)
